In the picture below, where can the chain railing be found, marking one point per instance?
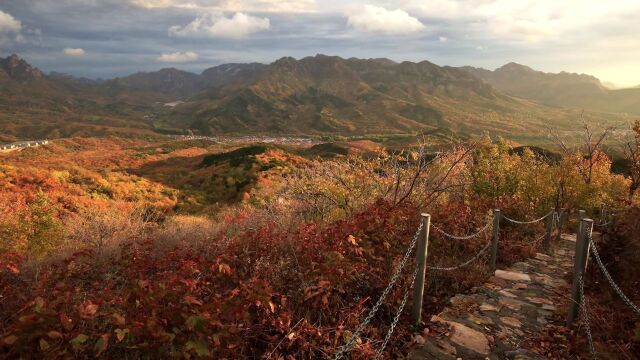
(586, 248)
(464, 237)
(520, 222)
(616, 288)
(603, 224)
(394, 323)
(585, 319)
(340, 354)
(466, 263)
(417, 280)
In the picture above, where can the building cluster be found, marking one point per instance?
(22, 144)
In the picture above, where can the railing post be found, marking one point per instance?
(421, 263)
(561, 219)
(581, 258)
(494, 242)
(547, 238)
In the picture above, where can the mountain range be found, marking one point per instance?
(314, 95)
(561, 89)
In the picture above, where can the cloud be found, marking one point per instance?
(8, 24)
(443, 39)
(285, 6)
(10, 29)
(215, 25)
(74, 52)
(373, 18)
(179, 57)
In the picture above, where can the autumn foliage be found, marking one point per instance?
(116, 256)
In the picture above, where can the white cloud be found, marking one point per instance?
(373, 18)
(524, 21)
(287, 6)
(10, 29)
(443, 39)
(179, 57)
(9, 24)
(216, 25)
(73, 52)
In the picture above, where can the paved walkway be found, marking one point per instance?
(497, 318)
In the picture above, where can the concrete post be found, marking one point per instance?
(580, 266)
(547, 238)
(497, 215)
(421, 263)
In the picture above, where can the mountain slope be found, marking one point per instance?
(325, 94)
(36, 106)
(314, 95)
(561, 89)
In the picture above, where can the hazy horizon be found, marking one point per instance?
(105, 39)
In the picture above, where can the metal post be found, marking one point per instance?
(421, 263)
(547, 238)
(581, 259)
(561, 220)
(494, 242)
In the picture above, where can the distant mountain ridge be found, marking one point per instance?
(560, 89)
(19, 70)
(313, 95)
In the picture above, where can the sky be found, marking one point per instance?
(109, 38)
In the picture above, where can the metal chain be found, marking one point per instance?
(613, 284)
(603, 225)
(344, 349)
(540, 237)
(585, 319)
(527, 222)
(461, 237)
(397, 317)
(476, 257)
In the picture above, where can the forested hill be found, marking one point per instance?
(314, 95)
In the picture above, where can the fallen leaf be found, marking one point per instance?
(54, 334)
(44, 345)
(101, 344)
(119, 319)
(121, 333)
(67, 323)
(10, 340)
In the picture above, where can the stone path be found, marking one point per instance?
(497, 318)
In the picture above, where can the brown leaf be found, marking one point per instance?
(192, 300)
(44, 345)
(67, 323)
(87, 310)
(224, 268)
(54, 334)
(119, 319)
(10, 340)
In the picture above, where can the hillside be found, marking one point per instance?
(324, 94)
(313, 96)
(35, 106)
(561, 89)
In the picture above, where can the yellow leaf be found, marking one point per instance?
(44, 345)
